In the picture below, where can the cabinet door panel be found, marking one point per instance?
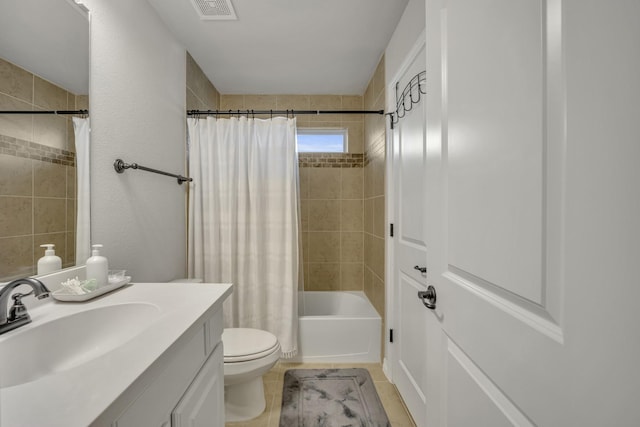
(152, 408)
(203, 403)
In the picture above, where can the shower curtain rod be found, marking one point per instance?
(277, 112)
(60, 112)
(216, 112)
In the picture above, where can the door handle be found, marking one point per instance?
(428, 297)
(422, 270)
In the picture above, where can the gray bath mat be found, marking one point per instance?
(331, 398)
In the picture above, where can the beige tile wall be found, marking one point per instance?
(331, 206)
(331, 192)
(201, 93)
(353, 122)
(37, 172)
(374, 194)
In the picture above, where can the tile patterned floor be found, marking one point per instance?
(393, 405)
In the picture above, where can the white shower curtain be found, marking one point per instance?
(244, 221)
(82, 128)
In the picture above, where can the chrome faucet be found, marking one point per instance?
(17, 315)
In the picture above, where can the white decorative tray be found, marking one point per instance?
(63, 295)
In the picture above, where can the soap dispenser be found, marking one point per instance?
(49, 262)
(98, 267)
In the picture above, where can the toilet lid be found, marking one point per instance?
(242, 344)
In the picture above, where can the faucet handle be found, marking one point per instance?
(17, 297)
(18, 310)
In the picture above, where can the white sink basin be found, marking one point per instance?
(43, 348)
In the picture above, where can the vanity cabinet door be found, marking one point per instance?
(203, 403)
(153, 407)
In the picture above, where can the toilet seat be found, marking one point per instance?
(245, 344)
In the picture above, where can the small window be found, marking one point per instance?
(320, 140)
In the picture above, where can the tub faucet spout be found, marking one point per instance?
(17, 316)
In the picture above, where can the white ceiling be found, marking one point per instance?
(275, 46)
(287, 46)
(48, 38)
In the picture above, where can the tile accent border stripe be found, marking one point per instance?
(331, 160)
(31, 150)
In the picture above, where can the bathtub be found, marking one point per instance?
(337, 327)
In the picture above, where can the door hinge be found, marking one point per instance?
(390, 335)
(391, 229)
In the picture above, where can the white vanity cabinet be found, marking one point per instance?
(155, 360)
(184, 388)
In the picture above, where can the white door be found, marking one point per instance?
(533, 212)
(409, 247)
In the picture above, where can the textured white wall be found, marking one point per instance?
(137, 107)
(411, 25)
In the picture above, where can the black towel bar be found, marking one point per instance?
(120, 166)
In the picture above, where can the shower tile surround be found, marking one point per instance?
(201, 94)
(331, 189)
(37, 172)
(342, 194)
(374, 195)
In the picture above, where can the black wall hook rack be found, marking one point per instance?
(411, 95)
(120, 166)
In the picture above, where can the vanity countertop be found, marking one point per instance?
(78, 395)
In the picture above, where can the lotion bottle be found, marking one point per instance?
(98, 267)
(49, 262)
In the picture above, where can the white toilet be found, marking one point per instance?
(248, 354)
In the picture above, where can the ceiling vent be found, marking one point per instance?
(215, 10)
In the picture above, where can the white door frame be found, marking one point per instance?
(389, 355)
